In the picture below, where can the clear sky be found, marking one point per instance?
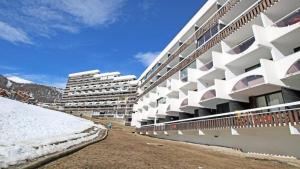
(45, 40)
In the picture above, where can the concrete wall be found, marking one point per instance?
(269, 140)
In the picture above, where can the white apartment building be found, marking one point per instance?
(100, 94)
(230, 77)
(230, 56)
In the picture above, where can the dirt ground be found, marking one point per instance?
(123, 149)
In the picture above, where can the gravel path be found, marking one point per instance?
(123, 149)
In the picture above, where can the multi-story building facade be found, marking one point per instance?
(100, 94)
(232, 56)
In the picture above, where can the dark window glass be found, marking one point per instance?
(207, 36)
(214, 30)
(200, 41)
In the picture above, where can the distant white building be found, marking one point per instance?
(100, 94)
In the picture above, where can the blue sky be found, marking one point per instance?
(45, 40)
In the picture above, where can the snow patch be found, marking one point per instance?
(84, 73)
(19, 80)
(29, 132)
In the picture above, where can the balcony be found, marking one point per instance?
(243, 46)
(255, 82)
(290, 19)
(290, 67)
(191, 77)
(208, 72)
(173, 107)
(285, 32)
(248, 82)
(190, 103)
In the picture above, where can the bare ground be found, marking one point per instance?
(123, 149)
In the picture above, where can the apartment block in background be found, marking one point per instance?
(92, 93)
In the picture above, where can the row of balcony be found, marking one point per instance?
(245, 44)
(109, 85)
(255, 82)
(78, 93)
(203, 33)
(94, 81)
(279, 68)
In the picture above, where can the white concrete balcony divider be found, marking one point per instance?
(139, 117)
(191, 79)
(288, 70)
(209, 71)
(213, 95)
(191, 102)
(162, 110)
(173, 87)
(153, 99)
(173, 106)
(151, 114)
(145, 115)
(162, 91)
(287, 26)
(146, 101)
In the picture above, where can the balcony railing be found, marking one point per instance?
(258, 117)
(289, 19)
(294, 68)
(207, 66)
(209, 95)
(248, 82)
(244, 45)
(273, 119)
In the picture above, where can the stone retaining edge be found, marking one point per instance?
(55, 156)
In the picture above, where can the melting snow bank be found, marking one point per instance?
(28, 132)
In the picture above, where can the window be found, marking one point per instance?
(193, 65)
(274, 99)
(184, 74)
(214, 30)
(200, 41)
(211, 32)
(261, 101)
(269, 99)
(207, 35)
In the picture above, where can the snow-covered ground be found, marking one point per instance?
(28, 131)
(18, 80)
